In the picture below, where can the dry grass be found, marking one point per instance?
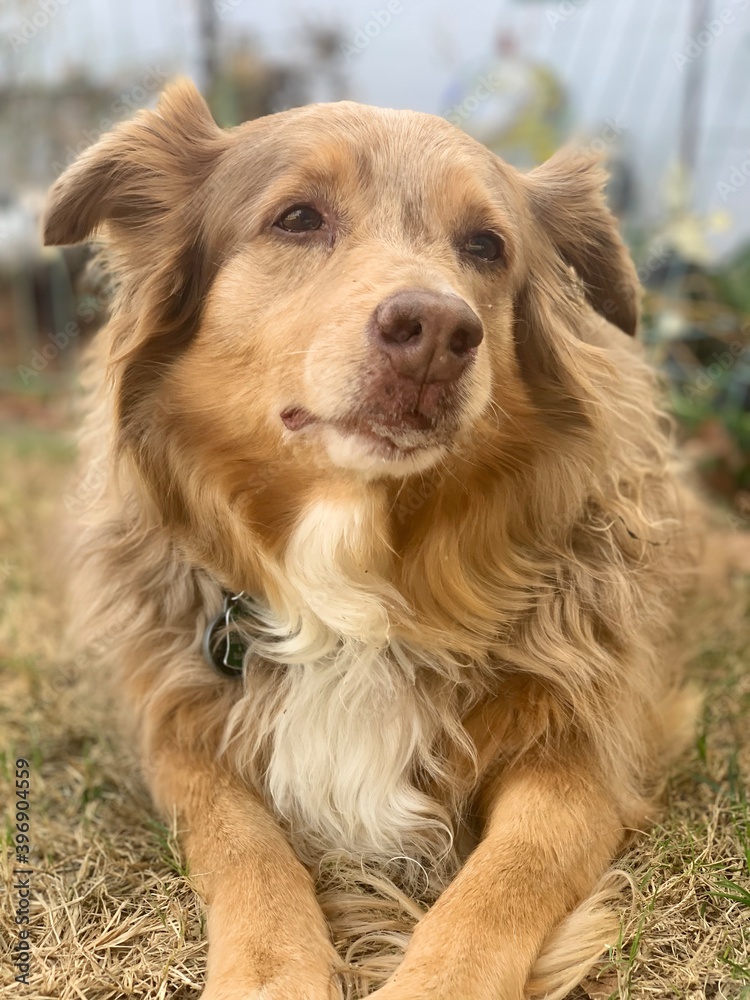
(113, 912)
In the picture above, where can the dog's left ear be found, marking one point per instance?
(134, 176)
(146, 184)
(566, 196)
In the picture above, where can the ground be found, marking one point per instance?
(113, 914)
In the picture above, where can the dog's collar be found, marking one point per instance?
(228, 636)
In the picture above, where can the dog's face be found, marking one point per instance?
(368, 293)
(337, 292)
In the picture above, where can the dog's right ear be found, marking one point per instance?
(136, 173)
(566, 196)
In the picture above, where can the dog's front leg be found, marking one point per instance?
(267, 935)
(550, 834)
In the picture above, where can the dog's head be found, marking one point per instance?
(357, 292)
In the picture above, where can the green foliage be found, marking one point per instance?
(697, 325)
(733, 281)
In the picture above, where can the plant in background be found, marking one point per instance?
(697, 327)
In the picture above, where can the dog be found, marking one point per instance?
(387, 545)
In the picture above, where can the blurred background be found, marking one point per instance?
(660, 87)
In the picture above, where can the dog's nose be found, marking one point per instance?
(428, 336)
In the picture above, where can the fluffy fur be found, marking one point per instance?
(461, 689)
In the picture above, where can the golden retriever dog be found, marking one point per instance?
(387, 546)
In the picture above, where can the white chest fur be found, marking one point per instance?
(345, 747)
(352, 724)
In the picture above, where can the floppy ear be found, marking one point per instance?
(145, 184)
(136, 173)
(570, 229)
(566, 196)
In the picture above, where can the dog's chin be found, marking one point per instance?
(378, 447)
(375, 455)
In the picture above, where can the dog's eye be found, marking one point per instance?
(486, 246)
(300, 219)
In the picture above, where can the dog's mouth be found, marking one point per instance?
(389, 438)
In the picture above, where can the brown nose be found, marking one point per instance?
(428, 336)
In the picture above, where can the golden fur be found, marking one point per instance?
(463, 674)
